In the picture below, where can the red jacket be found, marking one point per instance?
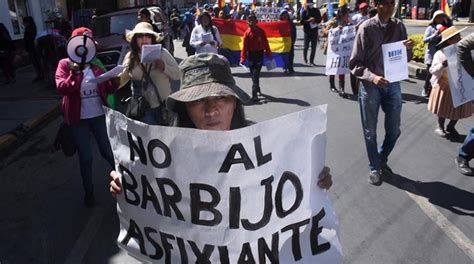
(255, 40)
(69, 85)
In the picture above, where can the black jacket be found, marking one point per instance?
(307, 14)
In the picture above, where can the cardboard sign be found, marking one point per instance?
(461, 83)
(340, 43)
(245, 195)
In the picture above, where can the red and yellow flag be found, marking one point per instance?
(232, 33)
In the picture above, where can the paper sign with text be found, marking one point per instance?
(395, 61)
(461, 83)
(150, 53)
(246, 195)
(267, 14)
(340, 43)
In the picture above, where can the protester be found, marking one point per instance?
(285, 16)
(465, 55)
(188, 28)
(234, 12)
(30, 46)
(205, 27)
(341, 20)
(175, 22)
(210, 100)
(366, 63)
(254, 47)
(357, 20)
(441, 102)
(363, 14)
(372, 12)
(432, 37)
(7, 54)
(465, 154)
(221, 15)
(310, 19)
(152, 80)
(82, 110)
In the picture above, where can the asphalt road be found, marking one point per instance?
(423, 215)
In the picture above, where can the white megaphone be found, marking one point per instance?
(81, 50)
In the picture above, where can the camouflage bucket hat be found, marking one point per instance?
(204, 75)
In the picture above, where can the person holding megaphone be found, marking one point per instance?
(83, 101)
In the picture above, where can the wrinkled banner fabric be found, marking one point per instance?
(242, 196)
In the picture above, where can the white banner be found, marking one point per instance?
(395, 61)
(246, 195)
(461, 83)
(340, 42)
(267, 14)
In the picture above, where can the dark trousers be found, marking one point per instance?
(354, 84)
(427, 85)
(255, 64)
(34, 58)
(291, 57)
(6, 64)
(310, 38)
(81, 135)
(467, 149)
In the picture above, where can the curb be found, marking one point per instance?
(417, 70)
(30, 125)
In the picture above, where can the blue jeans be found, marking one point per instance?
(81, 135)
(466, 151)
(371, 98)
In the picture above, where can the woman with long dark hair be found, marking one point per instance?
(205, 37)
(30, 46)
(150, 80)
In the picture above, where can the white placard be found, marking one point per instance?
(267, 14)
(395, 61)
(340, 43)
(231, 194)
(207, 37)
(150, 53)
(313, 25)
(461, 83)
(108, 75)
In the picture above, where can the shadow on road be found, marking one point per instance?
(414, 98)
(441, 194)
(268, 98)
(277, 74)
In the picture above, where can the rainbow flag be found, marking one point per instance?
(232, 35)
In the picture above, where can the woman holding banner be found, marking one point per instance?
(341, 20)
(151, 81)
(205, 37)
(441, 102)
(209, 99)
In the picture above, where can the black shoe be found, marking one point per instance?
(89, 199)
(463, 166)
(342, 93)
(333, 89)
(255, 99)
(386, 171)
(305, 61)
(313, 64)
(452, 132)
(291, 71)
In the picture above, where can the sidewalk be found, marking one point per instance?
(24, 106)
(463, 21)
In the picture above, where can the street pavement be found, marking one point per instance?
(422, 215)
